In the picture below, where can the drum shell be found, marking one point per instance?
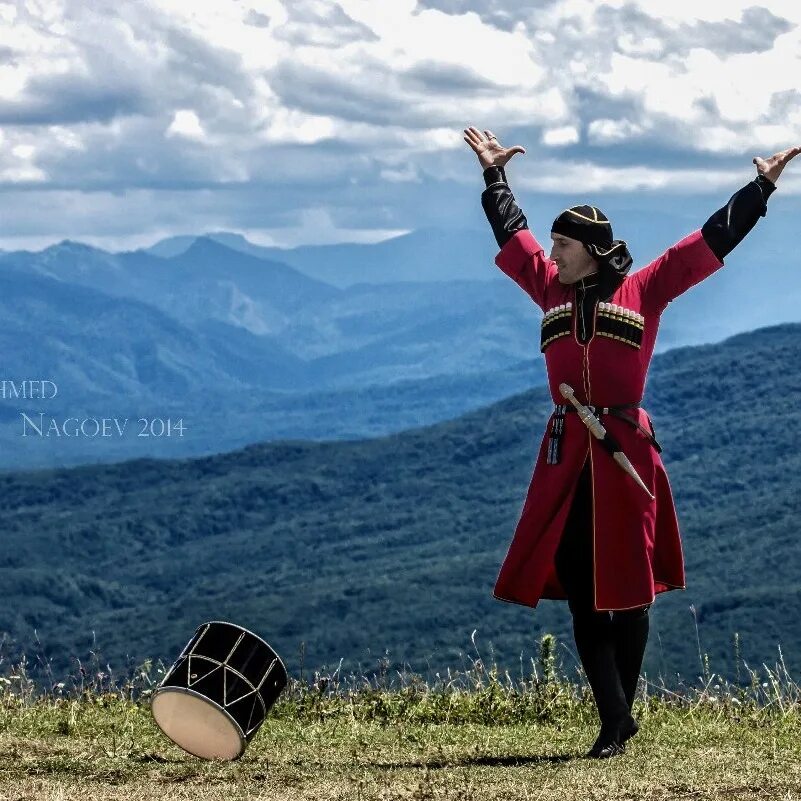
(234, 671)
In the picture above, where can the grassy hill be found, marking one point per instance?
(393, 544)
(476, 735)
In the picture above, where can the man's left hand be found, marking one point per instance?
(772, 168)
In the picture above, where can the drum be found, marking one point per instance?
(215, 697)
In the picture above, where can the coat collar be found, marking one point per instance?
(589, 280)
(606, 285)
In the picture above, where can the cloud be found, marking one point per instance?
(319, 23)
(18, 163)
(635, 32)
(605, 131)
(256, 19)
(279, 104)
(637, 25)
(64, 99)
(432, 75)
(186, 123)
(365, 92)
(566, 135)
(586, 176)
(497, 13)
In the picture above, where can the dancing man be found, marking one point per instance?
(588, 532)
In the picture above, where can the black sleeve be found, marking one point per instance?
(498, 202)
(727, 227)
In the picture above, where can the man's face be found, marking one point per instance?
(571, 258)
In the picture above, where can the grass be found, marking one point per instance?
(475, 734)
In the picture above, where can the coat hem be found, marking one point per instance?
(517, 603)
(610, 609)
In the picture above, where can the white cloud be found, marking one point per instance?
(23, 174)
(171, 96)
(8, 12)
(68, 139)
(25, 152)
(317, 226)
(401, 174)
(584, 176)
(566, 135)
(632, 45)
(18, 165)
(605, 131)
(185, 123)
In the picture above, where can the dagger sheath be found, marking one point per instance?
(607, 441)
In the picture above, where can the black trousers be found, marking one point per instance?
(610, 645)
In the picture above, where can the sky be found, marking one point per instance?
(320, 121)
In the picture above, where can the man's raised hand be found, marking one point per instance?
(772, 168)
(488, 149)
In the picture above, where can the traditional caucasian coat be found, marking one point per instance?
(636, 540)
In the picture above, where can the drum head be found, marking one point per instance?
(197, 724)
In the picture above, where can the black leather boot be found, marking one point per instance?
(612, 738)
(596, 647)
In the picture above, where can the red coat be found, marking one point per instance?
(636, 540)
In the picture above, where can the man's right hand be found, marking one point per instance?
(488, 148)
(772, 168)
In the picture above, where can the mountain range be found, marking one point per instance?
(242, 343)
(353, 549)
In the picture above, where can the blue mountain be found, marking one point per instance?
(394, 542)
(240, 338)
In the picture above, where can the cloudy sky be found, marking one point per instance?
(315, 121)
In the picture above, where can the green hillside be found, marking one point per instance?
(393, 544)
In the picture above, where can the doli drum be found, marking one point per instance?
(215, 697)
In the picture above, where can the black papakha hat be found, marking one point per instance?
(592, 227)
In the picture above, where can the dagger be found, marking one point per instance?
(609, 443)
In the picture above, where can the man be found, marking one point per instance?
(587, 531)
